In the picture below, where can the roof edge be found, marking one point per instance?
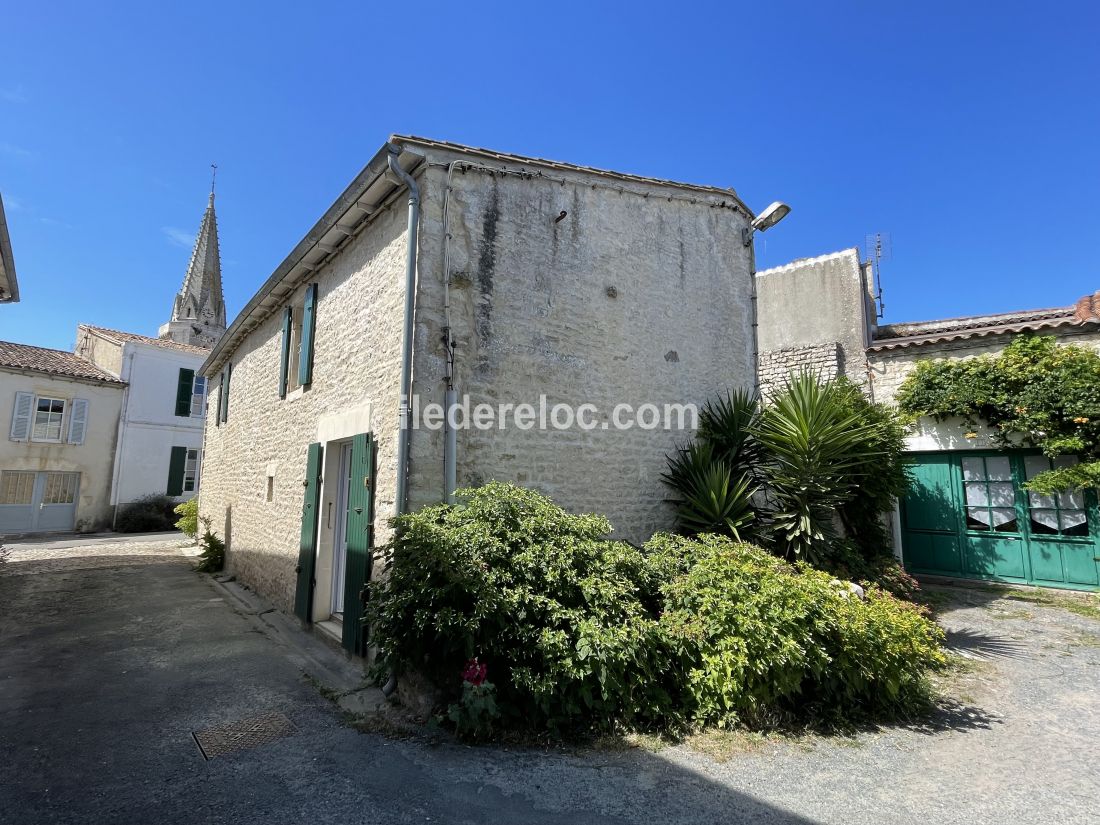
(820, 259)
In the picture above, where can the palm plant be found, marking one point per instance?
(727, 425)
(817, 449)
(712, 497)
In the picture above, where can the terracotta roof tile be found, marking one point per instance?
(51, 361)
(124, 337)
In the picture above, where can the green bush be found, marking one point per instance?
(756, 638)
(188, 512)
(546, 602)
(212, 557)
(574, 632)
(151, 514)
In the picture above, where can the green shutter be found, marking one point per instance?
(284, 359)
(307, 548)
(175, 471)
(223, 396)
(360, 541)
(305, 358)
(184, 389)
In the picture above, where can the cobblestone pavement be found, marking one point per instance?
(112, 654)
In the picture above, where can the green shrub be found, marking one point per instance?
(212, 557)
(151, 514)
(188, 512)
(755, 637)
(1035, 392)
(548, 604)
(577, 632)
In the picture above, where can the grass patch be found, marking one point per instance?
(1087, 606)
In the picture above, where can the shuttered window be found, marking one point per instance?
(223, 395)
(284, 351)
(176, 466)
(305, 357)
(48, 415)
(185, 388)
(78, 421)
(21, 416)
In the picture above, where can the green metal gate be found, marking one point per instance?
(967, 515)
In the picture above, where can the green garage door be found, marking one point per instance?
(967, 515)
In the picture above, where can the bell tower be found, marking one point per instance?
(198, 312)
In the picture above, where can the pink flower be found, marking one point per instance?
(475, 672)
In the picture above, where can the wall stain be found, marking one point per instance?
(486, 269)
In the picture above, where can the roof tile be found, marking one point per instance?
(51, 361)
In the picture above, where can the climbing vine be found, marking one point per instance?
(1033, 394)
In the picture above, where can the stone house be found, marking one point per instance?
(55, 464)
(967, 515)
(453, 275)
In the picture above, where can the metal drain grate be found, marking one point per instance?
(243, 734)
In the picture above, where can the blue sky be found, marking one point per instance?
(968, 131)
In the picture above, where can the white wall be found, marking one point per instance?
(150, 427)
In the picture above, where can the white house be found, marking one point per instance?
(163, 407)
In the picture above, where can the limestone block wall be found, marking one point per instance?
(822, 360)
(588, 295)
(356, 376)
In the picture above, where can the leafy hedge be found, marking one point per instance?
(1034, 393)
(567, 630)
(150, 514)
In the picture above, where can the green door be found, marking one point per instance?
(360, 542)
(307, 546)
(967, 515)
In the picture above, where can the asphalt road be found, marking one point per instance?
(113, 654)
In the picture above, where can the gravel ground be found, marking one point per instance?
(112, 653)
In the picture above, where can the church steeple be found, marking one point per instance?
(198, 312)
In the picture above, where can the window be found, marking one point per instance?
(296, 358)
(271, 488)
(60, 488)
(16, 487)
(191, 472)
(1060, 515)
(48, 413)
(198, 397)
(990, 496)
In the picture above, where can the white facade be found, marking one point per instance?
(150, 426)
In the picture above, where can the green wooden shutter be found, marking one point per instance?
(223, 396)
(307, 548)
(184, 389)
(284, 360)
(360, 542)
(305, 358)
(175, 470)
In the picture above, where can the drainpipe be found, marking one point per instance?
(405, 428)
(116, 479)
(755, 319)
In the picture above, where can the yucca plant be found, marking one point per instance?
(711, 497)
(727, 424)
(817, 449)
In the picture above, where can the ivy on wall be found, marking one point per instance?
(1035, 393)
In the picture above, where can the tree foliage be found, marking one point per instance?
(1035, 393)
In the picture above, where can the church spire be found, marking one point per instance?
(198, 312)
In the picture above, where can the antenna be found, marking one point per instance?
(879, 247)
(213, 178)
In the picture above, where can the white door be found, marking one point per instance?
(340, 533)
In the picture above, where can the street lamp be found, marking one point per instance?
(765, 221)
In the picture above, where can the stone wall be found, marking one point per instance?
(815, 313)
(356, 371)
(822, 360)
(631, 298)
(640, 294)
